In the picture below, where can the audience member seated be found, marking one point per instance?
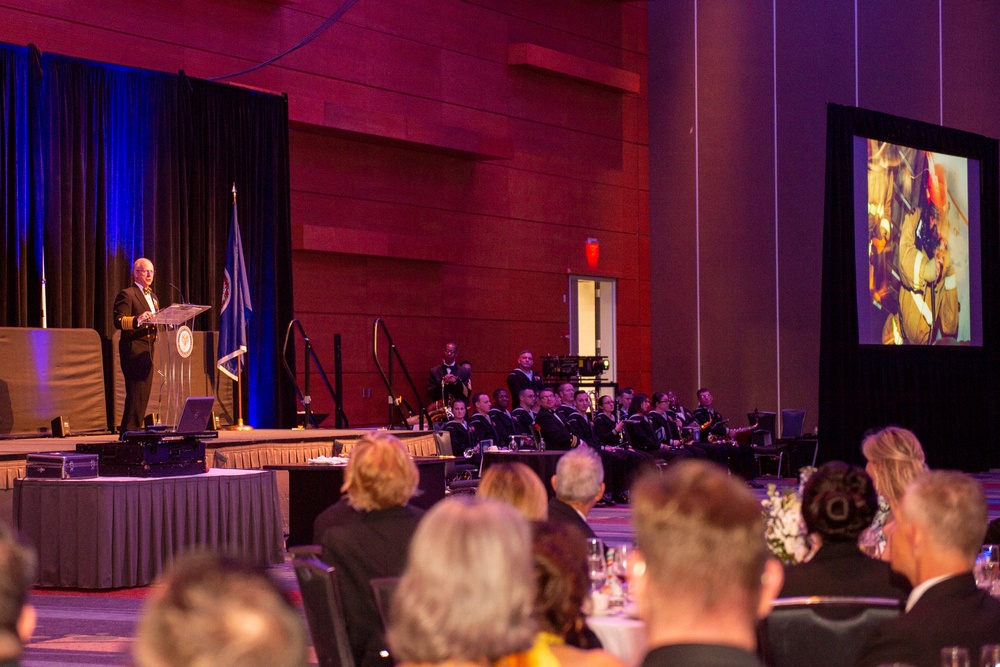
(703, 578)
(467, 596)
(940, 524)
(366, 533)
(216, 611)
(517, 485)
(838, 502)
(894, 458)
(17, 617)
(561, 566)
(579, 485)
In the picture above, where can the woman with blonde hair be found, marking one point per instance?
(894, 458)
(517, 485)
(466, 596)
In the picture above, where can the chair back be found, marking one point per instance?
(324, 612)
(791, 423)
(821, 631)
(384, 588)
(765, 421)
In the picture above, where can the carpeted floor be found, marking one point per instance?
(96, 628)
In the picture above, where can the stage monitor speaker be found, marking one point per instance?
(60, 427)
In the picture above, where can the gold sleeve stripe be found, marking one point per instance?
(127, 322)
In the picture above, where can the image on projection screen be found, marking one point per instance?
(917, 234)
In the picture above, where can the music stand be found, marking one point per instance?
(179, 348)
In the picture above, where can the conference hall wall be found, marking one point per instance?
(738, 108)
(441, 177)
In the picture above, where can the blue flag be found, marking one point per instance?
(236, 306)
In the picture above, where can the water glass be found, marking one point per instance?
(989, 655)
(954, 656)
(597, 566)
(619, 567)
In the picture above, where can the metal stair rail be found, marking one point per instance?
(305, 397)
(397, 404)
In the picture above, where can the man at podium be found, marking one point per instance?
(134, 306)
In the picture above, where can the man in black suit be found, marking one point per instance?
(704, 576)
(449, 380)
(134, 306)
(579, 485)
(940, 525)
(366, 535)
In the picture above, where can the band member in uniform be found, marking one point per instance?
(134, 306)
(449, 380)
(458, 429)
(624, 407)
(661, 417)
(500, 415)
(565, 396)
(641, 434)
(523, 377)
(741, 458)
(609, 429)
(551, 426)
(480, 423)
(524, 414)
(675, 408)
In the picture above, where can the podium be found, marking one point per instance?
(176, 370)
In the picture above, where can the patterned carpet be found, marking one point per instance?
(96, 629)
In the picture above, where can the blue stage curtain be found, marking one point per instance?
(104, 164)
(948, 396)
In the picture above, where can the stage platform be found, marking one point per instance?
(246, 450)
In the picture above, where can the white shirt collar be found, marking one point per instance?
(922, 588)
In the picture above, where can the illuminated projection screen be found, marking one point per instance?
(917, 251)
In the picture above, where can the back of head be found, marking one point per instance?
(839, 502)
(517, 485)
(702, 535)
(468, 589)
(214, 611)
(896, 457)
(17, 574)
(579, 475)
(561, 567)
(951, 507)
(380, 473)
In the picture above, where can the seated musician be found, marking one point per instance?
(500, 415)
(551, 426)
(458, 429)
(524, 414)
(621, 464)
(642, 435)
(713, 425)
(480, 424)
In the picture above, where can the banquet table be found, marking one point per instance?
(543, 463)
(621, 636)
(116, 532)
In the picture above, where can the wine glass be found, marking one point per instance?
(987, 566)
(954, 656)
(989, 655)
(619, 567)
(597, 565)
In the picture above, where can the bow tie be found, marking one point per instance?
(148, 290)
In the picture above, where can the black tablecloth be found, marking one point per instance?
(543, 463)
(113, 532)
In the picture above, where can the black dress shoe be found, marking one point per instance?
(622, 498)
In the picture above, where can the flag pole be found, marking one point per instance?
(239, 426)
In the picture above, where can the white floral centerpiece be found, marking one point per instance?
(785, 530)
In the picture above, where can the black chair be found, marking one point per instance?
(459, 477)
(384, 588)
(763, 442)
(791, 434)
(324, 612)
(821, 631)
